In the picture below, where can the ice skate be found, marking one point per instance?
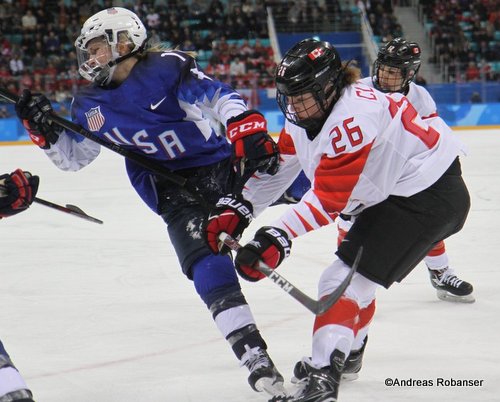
(23, 395)
(352, 366)
(319, 385)
(449, 287)
(354, 362)
(263, 373)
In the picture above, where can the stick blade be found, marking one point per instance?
(79, 212)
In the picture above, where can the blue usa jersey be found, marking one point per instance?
(167, 109)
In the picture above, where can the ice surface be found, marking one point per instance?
(102, 313)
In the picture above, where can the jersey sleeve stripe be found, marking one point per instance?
(285, 143)
(432, 115)
(318, 216)
(290, 230)
(307, 226)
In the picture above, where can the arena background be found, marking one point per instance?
(102, 313)
(462, 75)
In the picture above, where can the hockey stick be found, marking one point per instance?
(317, 307)
(69, 209)
(139, 159)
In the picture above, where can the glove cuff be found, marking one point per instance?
(245, 124)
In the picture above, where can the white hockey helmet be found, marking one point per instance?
(112, 25)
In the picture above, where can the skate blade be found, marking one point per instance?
(446, 296)
(270, 386)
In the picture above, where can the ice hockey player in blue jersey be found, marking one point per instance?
(17, 192)
(160, 104)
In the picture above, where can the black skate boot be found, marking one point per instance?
(320, 385)
(352, 365)
(354, 362)
(449, 287)
(264, 376)
(23, 395)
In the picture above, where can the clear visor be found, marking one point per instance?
(93, 58)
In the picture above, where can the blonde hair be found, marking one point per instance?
(352, 73)
(160, 47)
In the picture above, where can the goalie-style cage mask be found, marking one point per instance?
(96, 47)
(308, 83)
(399, 61)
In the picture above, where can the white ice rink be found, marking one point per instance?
(102, 313)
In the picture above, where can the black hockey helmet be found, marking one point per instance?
(309, 67)
(400, 54)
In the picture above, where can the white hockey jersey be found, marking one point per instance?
(372, 145)
(418, 96)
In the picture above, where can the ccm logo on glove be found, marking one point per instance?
(250, 125)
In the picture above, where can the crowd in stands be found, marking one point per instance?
(231, 37)
(37, 52)
(466, 38)
(383, 21)
(314, 15)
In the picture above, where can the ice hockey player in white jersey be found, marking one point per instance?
(368, 155)
(395, 70)
(17, 192)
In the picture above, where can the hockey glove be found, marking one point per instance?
(270, 245)
(17, 192)
(232, 214)
(253, 148)
(34, 110)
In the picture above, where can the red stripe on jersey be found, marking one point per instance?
(307, 225)
(435, 114)
(294, 234)
(335, 178)
(438, 249)
(318, 216)
(344, 312)
(285, 143)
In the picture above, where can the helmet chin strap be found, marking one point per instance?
(111, 65)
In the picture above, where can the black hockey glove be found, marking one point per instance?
(253, 148)
(232, 214)
(270, 245)
(17, 192)
(34, 110)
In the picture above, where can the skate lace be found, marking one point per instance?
(254, 358)
(449, 278)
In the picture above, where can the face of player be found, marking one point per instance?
(99, 52)
(390, 78)
(305, 106)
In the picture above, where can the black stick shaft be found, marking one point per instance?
(317, 307)
(79, 213)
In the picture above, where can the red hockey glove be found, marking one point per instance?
(17, 192)
(34, 110)
(253, 147)
(232, 214)
(270, 245)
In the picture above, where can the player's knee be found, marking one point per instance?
(361, 289)
(214, 278)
